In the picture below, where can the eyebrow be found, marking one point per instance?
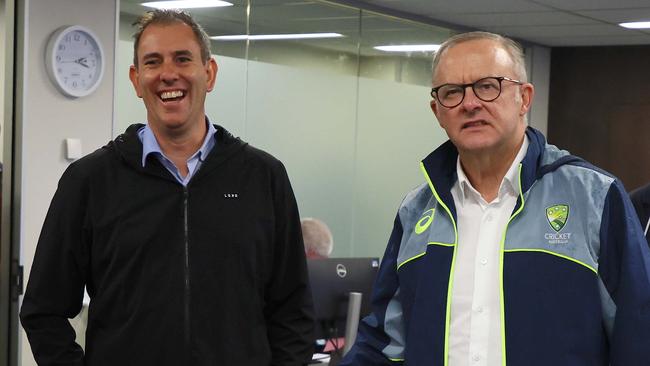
(183, 53)
(151, 55)
(159, 55)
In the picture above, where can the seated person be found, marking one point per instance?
(317, 238)
(319, 242)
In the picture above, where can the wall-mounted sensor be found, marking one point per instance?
(72, 149)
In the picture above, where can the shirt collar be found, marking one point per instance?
(509, 183)
(150, 144)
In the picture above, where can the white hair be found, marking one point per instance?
(513, 49)
(317, 237)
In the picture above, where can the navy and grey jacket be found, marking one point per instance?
(575, 286)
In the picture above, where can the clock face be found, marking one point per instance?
(75, 61)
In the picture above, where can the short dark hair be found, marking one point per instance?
(167, 17)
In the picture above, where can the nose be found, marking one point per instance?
(471, 102)
(168, 72)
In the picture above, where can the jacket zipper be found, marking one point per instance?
(501, 259)
(450, 284)
(187, 270)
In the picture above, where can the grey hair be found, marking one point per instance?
(317, 237)
(513, 49)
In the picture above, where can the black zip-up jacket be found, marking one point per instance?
(210, 274)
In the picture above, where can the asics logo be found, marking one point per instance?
(425, 221)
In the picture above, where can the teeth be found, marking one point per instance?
(171, 94)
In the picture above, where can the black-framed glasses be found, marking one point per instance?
(486, 89)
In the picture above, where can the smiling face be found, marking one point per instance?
(476, 126)
(172, 79)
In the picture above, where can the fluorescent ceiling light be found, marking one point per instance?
(409, 48)
(258, 37)
(186, 4)
(635, 25)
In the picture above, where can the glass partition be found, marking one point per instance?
(302, 104)
(396, 127)
(349, 121)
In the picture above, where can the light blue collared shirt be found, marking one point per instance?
(150, 146)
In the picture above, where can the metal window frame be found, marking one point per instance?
(10, 269)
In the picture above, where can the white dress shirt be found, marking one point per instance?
(475, 322)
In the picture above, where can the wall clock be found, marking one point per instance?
(75, 60)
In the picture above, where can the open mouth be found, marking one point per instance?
(171, 95)
(474, 124)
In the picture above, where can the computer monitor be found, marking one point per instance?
(332, 279)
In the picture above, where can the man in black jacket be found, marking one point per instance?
(187, 239)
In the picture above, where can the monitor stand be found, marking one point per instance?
(351, 327)
(352, 320)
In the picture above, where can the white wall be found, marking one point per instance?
(45, 117)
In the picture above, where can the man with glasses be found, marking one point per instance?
(513, 251)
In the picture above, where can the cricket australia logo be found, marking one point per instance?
(557, 217)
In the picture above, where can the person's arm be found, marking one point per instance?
(289, 309)
(641, 202)
(380, 340)
(624, 267)
(56, 283)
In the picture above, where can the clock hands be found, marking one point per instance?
(81, 61)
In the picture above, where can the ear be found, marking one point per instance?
(211, 70)
(527, 94)
(435, 108)
(133, 75)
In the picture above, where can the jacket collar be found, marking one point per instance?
(150, 145)
(129, 148)
(510, 181)
(440, 166)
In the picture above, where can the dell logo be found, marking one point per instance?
(341, 270)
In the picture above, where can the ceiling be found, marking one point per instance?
(545, 22)
(361, 30)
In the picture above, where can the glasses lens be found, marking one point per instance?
(450, 95)
(487, 89)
